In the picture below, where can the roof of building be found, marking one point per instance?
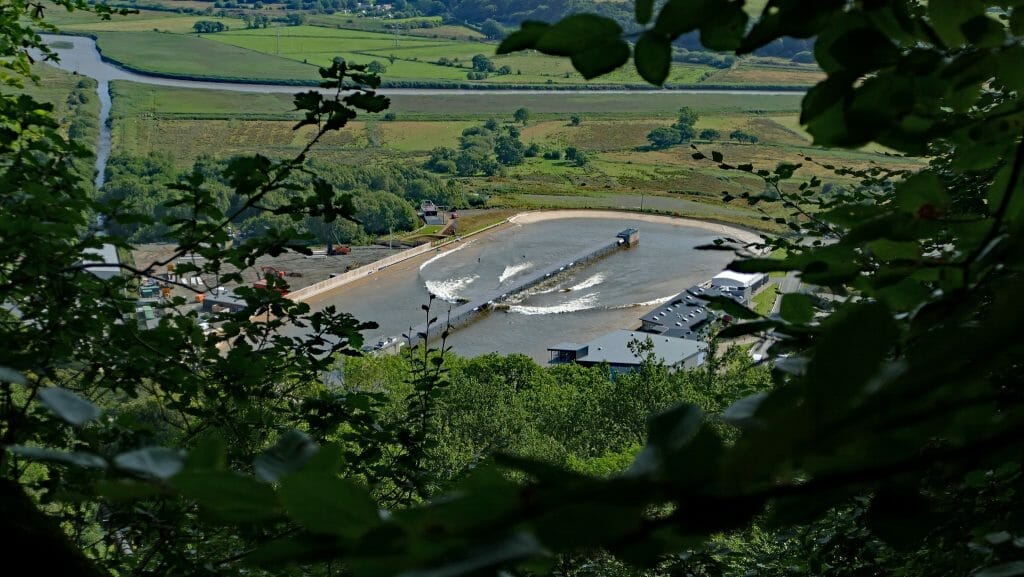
(102, 261)
(574, 347)
(683, 310)
(746, 279)
(613, 348)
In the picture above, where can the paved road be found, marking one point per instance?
(788, 284)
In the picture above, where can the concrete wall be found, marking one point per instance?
(367, 270)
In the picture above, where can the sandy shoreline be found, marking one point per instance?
(541, 216)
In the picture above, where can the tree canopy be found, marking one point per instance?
(886, 443)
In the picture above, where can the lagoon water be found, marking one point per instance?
(576, 306)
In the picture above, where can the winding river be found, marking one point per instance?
(78, 54)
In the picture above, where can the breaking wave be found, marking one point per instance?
(584, 302)
(512, 270)
(653, 303)
(590, 282)
(448, 290)
(444, 254)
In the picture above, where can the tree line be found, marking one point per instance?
(385, 198)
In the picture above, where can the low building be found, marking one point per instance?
(683, 316)
(225, 302)
(746, 283)
(431, 213)
(613, 349)
(103, 262)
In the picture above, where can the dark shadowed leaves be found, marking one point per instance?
(653, 58)
(324, 503)
(69, 406)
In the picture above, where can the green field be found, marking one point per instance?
(197, 57)
(613, 135)
(414, 58)
(163, 42)
(198, 104)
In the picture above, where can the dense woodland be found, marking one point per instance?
(882, 437)
(385, 199)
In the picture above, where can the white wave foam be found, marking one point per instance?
(444, 254)
(590, 282)
(582, 303)
(512, 270)
(653, 303)
(448, 290)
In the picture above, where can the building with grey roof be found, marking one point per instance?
(103, 261)
(613, 349)
(684, 315)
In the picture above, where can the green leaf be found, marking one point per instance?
(79, 459)
(158, 462)
(742, 411)
(69, 406)
(1010, 569)
(11, 376)
(326, 504)
(601, 59)
(644, 10)
(762, 265)
(905, 295)
(797, 308)
(901, 517)
(673, 428)
(860, 50)
(984, 32)
(1000, 187)
(525, 38)
(228, 495)
(577, 34)
(291, 452)
(948, 17)
(788, 18)
(730, 307)
(725, 28)
(653, 58)
(889, 250)
(922, 193)
(126, 490)
(1017, 21)
(516, 547)
(833, 374)
(742, 329)
(208, 455)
